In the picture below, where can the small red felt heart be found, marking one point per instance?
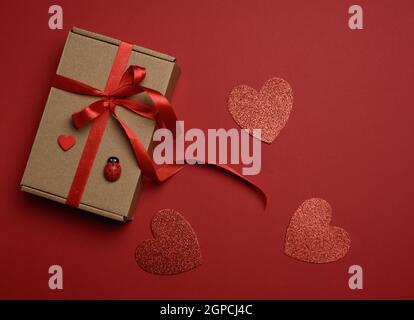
(66, 142)
(310, 238)
(175, 248)
(268, 109)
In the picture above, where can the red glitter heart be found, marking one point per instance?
(268, 109)
(310, 238)
(175, 248)
(66, 142)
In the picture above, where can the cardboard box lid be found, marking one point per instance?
(117, 42)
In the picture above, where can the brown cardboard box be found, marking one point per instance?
(88, 57)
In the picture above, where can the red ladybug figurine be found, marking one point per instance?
(112, 170)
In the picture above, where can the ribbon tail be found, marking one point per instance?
(169, 170)
(144, 161)
(165, 172)
(230, 170)
(167, 117)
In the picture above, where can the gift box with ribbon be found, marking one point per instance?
(105, 102)
(91, 150)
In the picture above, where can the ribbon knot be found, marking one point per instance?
(110, 103)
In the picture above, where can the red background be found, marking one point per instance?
(349, 140)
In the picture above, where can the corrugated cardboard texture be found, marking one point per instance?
(88, 57)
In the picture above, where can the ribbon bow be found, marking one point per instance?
(160, 111)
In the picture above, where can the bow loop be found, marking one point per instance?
(130, 82)
(89, 113)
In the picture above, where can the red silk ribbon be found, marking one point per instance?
(120, 86)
